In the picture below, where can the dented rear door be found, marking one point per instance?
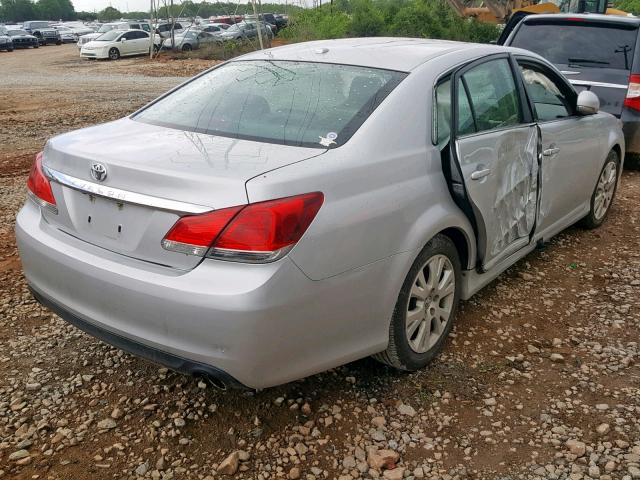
(496, 148)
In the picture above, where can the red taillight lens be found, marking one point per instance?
(258, 232)
(194, 234)
(39, 186)
(633, 93)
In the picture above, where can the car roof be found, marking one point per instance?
(402, 54)
(584, 17)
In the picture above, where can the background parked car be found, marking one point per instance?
(43, 31)
(215, 28)
(23, 39)
(6, 43)
(164, 29)
(595, 52)
(191, 40)
(245, 31)
(66, 34)
(117, 43)
(107, 27)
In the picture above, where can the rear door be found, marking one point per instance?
(593, 55)
(496, 149)
(141, 41)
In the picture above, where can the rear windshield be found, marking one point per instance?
(291, 103)
(579, 45)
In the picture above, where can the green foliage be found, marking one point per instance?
(402, 18)
(315, 23)
(109, 14)
(56, 9)
(17, 10)
(86, 16)
(631, 6)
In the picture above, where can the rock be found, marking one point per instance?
(602, 407)
(395, 474)
(603, 429)
(107, 424)
(179, 422)
(532, 349)
(576, 447)
(229, 466)
(382, 459)
(243, 456)
(634, 472)
(142, 469)
(301, 448)
(117, 413)
(306, 409)
(294, 473)
(17, 455)
(379, 422)
(405, 409)
(349, 462)
(556, 358)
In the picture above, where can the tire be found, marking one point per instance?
(37, 45)
(604, 192)
(10, 50)
(405, 351)
(114, 54)
(186, 48)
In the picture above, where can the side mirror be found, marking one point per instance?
(123, 39)
(588, 103)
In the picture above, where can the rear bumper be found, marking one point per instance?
(262, 325)
(179, 364)
(631, 128)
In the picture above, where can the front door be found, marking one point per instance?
(569, 158)
(496, 148)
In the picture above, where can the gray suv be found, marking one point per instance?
(594, 52)
(43, 32)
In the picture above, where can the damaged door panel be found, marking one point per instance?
(500, 172)
(496, 151)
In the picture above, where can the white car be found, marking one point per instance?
(107, 27)
(67, 35)
(118, 43)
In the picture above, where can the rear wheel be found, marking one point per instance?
(114, 54)
(604, 192)
(186, 48)
(37, 45)
(424, 312)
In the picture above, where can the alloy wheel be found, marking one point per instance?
(605, 190)
(431, 302)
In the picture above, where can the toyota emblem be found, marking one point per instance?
(99, 172)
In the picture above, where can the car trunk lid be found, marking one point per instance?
(121, 186)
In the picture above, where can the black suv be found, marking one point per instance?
(595, 52)
(42, 30)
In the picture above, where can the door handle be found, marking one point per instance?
(478, 174)
(550, 151)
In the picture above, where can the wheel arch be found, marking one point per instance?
(462, 243)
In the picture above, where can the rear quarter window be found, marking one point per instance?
(574, 43)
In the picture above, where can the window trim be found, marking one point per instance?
(524, 108)
(563, 85)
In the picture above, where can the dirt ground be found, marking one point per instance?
(540, 378)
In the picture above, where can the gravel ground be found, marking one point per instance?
(540, 379)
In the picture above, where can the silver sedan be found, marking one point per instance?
(299, 208)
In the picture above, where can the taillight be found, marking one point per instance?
(255, 233)
(633, 93)
(40, 187)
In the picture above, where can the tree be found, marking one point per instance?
(87, 16)
(55, 10)
(17, 10)
(110, 14)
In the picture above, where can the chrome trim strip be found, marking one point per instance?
(598, 84)
(569, 72)
(124, 196)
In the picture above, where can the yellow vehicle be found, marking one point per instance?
(496, 11)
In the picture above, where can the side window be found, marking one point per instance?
(141, 35)
(442, 113)
(466, 123)
(134, 26)
(145, 27)
(492, 98)
(127, 36)
(178, 26)
(548, 100)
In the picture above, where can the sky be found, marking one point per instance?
(131, 5)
